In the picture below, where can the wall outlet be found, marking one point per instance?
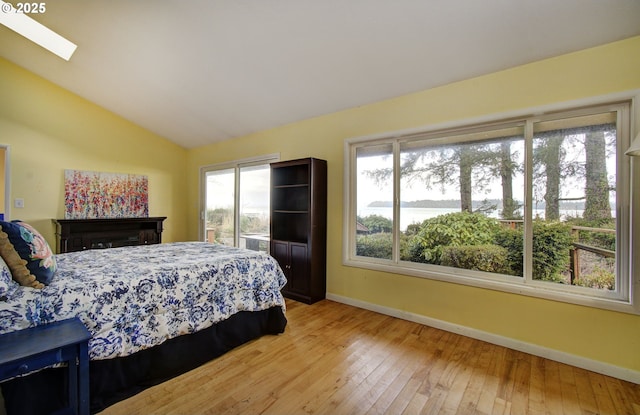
(18, 203)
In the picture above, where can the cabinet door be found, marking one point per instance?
(280, 251)
(74, 243)
(148, 237)
(299, 274)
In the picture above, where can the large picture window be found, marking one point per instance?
(535, 205)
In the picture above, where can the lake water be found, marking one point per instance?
(417, 215)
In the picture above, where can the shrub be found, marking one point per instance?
(489, 258)
(551, 244)
(511, 240)
(378, 245)
(599, 278)
(451, 229)
(413, 229)
(376, 223)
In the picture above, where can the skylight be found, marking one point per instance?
(24, 25)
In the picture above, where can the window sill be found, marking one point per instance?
(513, 285)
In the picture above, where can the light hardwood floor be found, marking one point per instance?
(338, 359)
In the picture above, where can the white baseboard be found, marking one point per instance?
(562, 357)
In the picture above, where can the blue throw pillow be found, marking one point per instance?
(33, 248)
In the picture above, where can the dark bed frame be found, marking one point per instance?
(114, 380)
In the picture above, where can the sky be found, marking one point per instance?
(368, 191)
(254, 185)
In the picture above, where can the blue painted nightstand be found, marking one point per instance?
(35, 348)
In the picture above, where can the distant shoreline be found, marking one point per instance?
(455, 204)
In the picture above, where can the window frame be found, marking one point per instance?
(627, 206)
(236, 165)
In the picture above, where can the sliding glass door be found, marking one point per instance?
(220, 206)
(254, 207)
(236, 203)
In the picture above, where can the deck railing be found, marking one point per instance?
(574, 255)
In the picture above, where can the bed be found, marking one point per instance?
(154, 312)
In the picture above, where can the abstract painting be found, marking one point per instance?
(97, 195)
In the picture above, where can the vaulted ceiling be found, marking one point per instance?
(200, 71)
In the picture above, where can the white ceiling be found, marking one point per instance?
(199, 71)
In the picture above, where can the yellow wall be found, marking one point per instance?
(605, 336)
(49, 129)
(3, 155)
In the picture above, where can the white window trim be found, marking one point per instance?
(629, 217)
(236, 165)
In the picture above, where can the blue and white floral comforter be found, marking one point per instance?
(134, 298)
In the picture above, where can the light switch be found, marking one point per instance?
(18, 203)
